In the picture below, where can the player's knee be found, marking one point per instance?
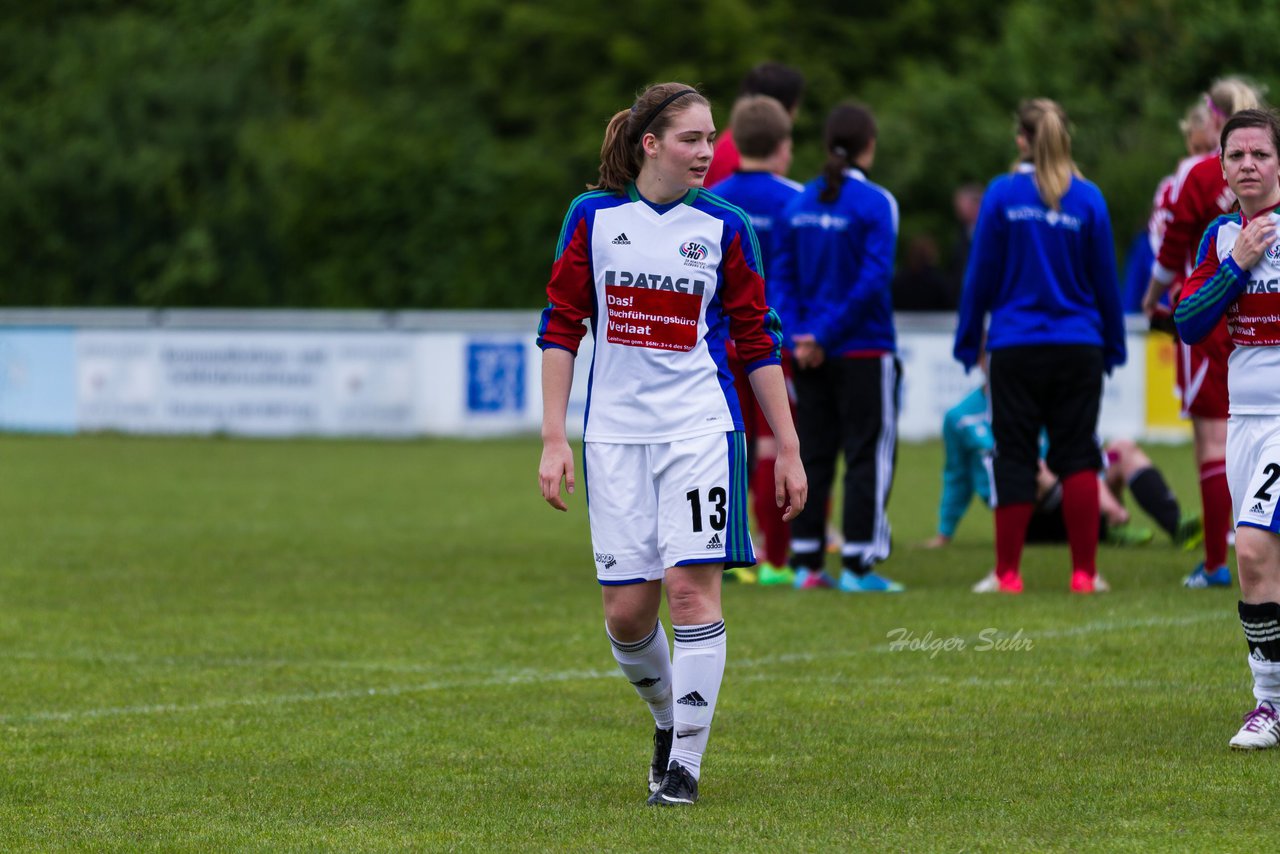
(1123, 449)
(1256, 563)
(627, 624)
(689, 601)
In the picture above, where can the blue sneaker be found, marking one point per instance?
(851, 582)
(813, 579)
(1199, 579)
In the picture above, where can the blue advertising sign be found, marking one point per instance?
(495, 377)
(38, 380)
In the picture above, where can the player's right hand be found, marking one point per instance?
(1151, 299)
(556, 464)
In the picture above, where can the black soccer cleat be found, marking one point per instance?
(678, 788)
(661, 755)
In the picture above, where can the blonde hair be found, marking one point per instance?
(1197, 118)
(1044, 125)
(1229, 95)
(621, 154)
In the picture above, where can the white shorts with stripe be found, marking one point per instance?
(671, 504)
(1253, 470)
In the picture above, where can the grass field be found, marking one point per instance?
(234, 645)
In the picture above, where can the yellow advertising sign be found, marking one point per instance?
(1164, 408)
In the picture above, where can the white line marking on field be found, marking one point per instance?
(525, 677)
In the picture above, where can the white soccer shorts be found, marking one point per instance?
(672, 504)
(1253, 470)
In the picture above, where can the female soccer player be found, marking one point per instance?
(1043, 266)
(666, 274)
(1238, 276)
(834, 274)
(1197, 197)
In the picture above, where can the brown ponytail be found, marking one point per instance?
(1044, 125)
(850, 129)
(621, 153)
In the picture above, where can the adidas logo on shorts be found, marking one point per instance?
(622, 239)
(714, 542)
(1257, 508)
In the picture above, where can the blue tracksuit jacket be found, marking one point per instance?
(1045, 276)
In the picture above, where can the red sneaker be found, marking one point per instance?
(1084, 582)
(1010, 582)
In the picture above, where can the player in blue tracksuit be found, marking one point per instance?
(1043, 266)
(832, 288)
(762, 130)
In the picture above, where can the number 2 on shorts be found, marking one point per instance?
(1274, 471)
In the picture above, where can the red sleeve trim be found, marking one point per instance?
(758, 340)
(570, 295)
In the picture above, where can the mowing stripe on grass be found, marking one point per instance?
(526, 677)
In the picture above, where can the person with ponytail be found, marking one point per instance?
(1199, 195)
(665, 274)
(833, 288)
(1043, 267)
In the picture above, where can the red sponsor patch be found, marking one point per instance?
(659, 320)
(1254, 320)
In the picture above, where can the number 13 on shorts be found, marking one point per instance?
(677, 503)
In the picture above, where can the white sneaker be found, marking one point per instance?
(991, 583)
(1261, 729)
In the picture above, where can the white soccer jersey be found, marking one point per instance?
(664, 288)
(1253, 316)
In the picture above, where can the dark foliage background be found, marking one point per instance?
(420, 153)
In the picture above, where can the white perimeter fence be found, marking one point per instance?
(401, 374)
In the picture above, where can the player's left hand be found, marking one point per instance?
(808, 352)
(790, 485)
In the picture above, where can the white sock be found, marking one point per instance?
(1266, 680)
(647, 665)
(697, 669)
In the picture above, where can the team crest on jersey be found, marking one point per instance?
(1273, 254)
(693, 251)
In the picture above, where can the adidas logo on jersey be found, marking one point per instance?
(1256, 655)
(621, 239)
(693, 698)
(1257, 508)
(714, 542)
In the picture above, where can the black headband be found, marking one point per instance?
(658, 110)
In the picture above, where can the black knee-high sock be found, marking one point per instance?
(1261, 625)
(1156, 498)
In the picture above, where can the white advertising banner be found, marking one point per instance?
(437, 374)
(250, 383)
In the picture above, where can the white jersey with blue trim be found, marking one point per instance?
(664, 288)
(1251, 302)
